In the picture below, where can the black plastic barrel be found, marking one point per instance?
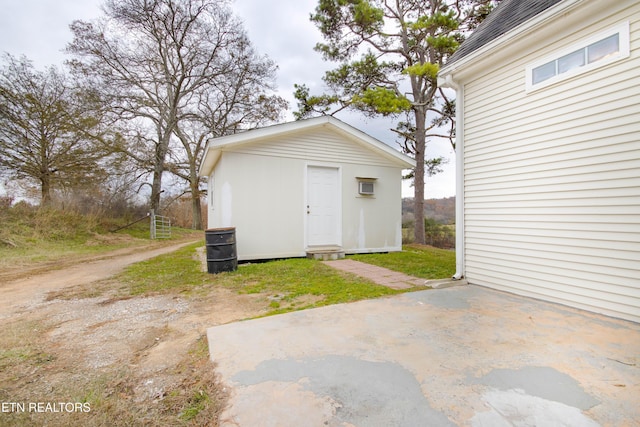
(221, 249)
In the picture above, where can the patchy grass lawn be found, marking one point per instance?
(421, 261)
(284, 281)
(290, 284)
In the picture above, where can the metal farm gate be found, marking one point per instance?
(160, 226)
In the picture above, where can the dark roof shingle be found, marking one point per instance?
(505, 17)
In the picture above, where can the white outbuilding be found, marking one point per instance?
(548, 152)
(316, 185)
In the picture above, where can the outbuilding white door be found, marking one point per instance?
(323, 206)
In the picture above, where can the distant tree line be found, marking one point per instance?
(146, 85)
(439, 221)
(441, 210)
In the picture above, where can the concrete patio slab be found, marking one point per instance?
(460, 356)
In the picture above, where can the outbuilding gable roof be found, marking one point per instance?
(505, 17)
(216, 146)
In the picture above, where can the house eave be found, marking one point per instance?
(452, 74)
(216, 146)
(209, 161)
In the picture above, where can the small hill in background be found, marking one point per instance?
(442, 211)
(439, 219)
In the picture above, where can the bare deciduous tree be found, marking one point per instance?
(239, 100)
(48, 129)
(151, 58)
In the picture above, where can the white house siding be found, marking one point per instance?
(259, 188)
(247, 190)
(552, 177)
(318, 145)
(372, 224)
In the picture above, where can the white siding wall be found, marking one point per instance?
(262, 198)
(372, 224)
(552, 179)
(259, 188)
(316, 145)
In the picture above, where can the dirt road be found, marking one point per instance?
(60, 342)
(29, 291)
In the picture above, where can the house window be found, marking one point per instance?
(599, 50)
(366, 186)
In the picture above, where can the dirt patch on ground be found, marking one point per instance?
(17, 269)
(130, 361)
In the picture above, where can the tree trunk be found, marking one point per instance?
(418, 179)
(158, 168)
(45, 189)
(194, 184)
(156, 188)
(197, 213)
(196, 208)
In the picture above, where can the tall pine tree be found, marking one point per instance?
(390, 52)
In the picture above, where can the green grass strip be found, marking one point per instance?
(424, 262)
(289, 279)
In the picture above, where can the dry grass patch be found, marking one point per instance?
(36, 369)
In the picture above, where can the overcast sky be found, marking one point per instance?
(39, 29)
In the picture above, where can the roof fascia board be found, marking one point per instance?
(447, 73)
(216, 145)
(209, 161)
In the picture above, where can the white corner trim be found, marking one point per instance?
(448, 82)
(460, 270)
